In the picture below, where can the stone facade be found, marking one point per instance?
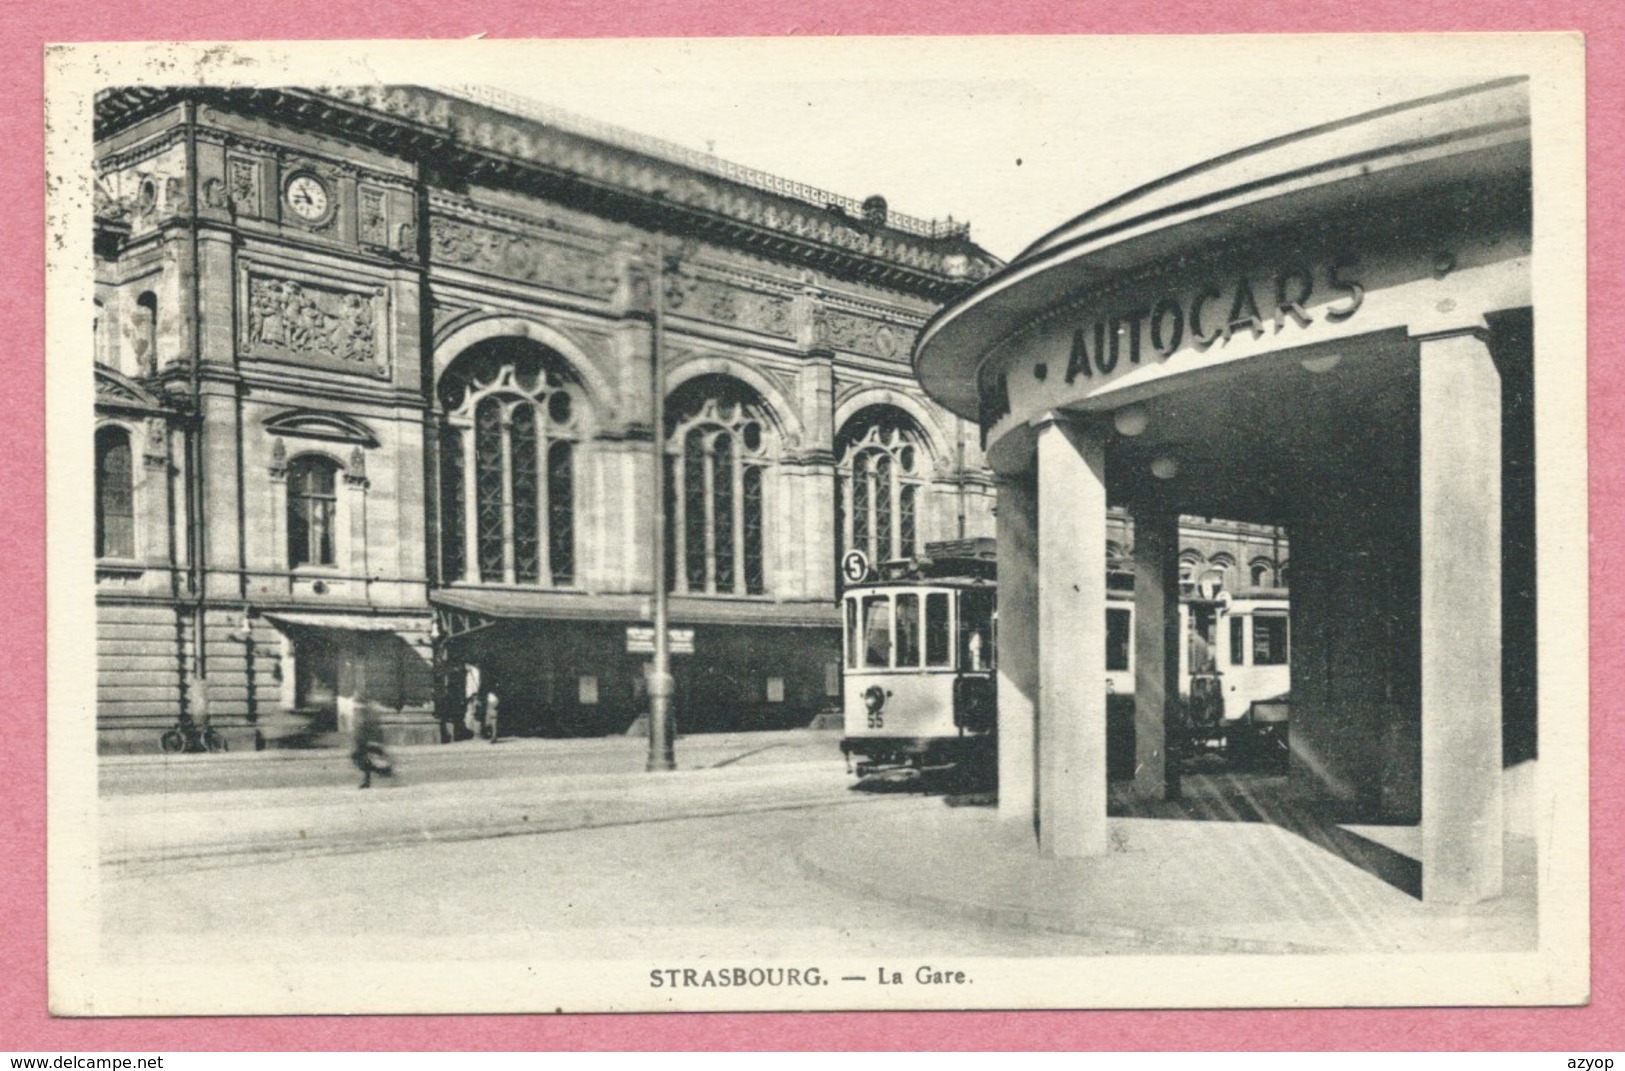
(313, 308)
(332, 329)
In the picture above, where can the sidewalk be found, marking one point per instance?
(1166, 885)
(338, 744)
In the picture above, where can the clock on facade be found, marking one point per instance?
(307, 198)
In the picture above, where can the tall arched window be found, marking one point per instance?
(115, 495)
(312, 510)
(507, 465)
(718, 454)
(882, 464)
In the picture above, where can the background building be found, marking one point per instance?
(373, 375)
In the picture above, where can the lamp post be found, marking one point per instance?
(662, 755)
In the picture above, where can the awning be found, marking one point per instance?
(349, 622)
(548, 605)
(540, 605)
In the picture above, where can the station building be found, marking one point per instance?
(1330, 334)
(373, 375)
(374, 403)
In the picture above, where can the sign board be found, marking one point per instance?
(640, 639)
(855, 566)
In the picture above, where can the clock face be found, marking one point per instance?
(307, 198)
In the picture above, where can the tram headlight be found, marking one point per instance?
(874, 697)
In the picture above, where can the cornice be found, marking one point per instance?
(452, 136)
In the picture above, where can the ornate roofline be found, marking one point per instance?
(454, 137)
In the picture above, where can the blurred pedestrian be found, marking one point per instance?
(491, 705)
(471, 700)
(368, 754)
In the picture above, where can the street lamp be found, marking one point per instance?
(662, 755)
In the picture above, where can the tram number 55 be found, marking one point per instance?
(874, 700)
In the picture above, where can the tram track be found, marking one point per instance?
(288, 825)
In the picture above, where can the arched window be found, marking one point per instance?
(312, 510)
(1280, 576)
(1189, 562)
(718, 455)
(882, 464)
(507, 465)
(115, 495)
(144, 333)
(1262, 571)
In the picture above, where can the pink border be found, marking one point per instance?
(23, 1021)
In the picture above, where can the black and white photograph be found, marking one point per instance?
(807, 524)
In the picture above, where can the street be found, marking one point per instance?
(532, 849)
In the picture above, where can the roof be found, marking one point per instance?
(506, 142)
(1470, 133)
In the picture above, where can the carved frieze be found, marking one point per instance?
(521, 257)
(864, 334)
(712, 299)
(243, 185)
(317, 323)
(373, 226)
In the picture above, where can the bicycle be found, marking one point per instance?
(188, 735)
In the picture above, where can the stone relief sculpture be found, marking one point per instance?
(301, 320)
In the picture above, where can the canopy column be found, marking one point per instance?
(1018, 647)
(1072, 623)
(1461, 619)
(1156, 649)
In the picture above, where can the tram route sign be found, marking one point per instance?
(855, 566)
(640, 639)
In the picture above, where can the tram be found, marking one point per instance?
(919, 638)
(919, 656)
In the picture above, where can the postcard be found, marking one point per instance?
(818, 523)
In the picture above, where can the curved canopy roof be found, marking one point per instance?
(1478, 130)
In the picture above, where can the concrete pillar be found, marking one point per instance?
(1461, 619)
(1017, 530)
(1156, 650)
(1072, 642)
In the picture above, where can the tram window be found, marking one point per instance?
(937, 645)
(1238, 639)
(852, 633)
(908, 630)
(1117, 640)
(976, 630)
(877, 630)
(1269, 640)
